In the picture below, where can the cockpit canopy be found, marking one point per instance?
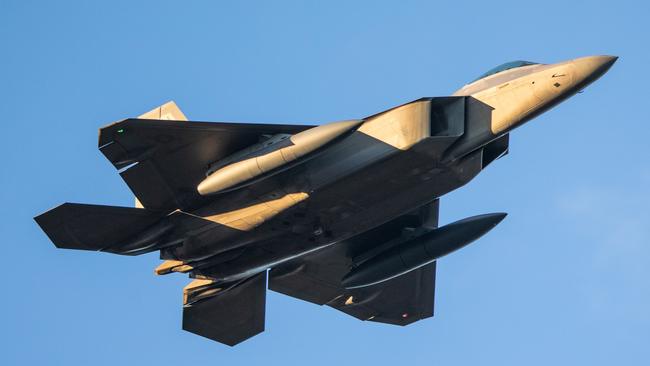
(506, 66)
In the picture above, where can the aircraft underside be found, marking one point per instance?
(311, 218)
(343, 214)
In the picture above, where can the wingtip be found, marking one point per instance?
(55, 229)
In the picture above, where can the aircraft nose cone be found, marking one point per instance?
(588, 69)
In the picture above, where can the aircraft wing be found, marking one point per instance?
(163, 161)
(401, 301)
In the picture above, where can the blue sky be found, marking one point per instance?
(563, 280)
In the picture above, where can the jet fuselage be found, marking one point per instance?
(393, 163)
(344, 214)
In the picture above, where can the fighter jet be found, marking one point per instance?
(343, 214)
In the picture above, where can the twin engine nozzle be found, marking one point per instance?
(420, 251)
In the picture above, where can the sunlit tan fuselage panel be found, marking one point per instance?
(517, 94)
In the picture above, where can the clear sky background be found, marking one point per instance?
(565, 279)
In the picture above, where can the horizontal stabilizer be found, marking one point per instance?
(94, 227)
(226, 315)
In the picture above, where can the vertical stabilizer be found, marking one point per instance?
(228, 315)
(168, 111)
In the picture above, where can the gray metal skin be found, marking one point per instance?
(361, 182)
(290, 202)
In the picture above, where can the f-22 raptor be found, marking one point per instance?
(343, 214)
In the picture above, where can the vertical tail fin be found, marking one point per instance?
(226, 315)
(168, 111)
